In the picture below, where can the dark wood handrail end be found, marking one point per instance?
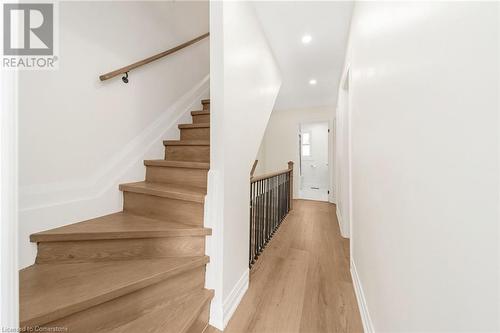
(271, 174)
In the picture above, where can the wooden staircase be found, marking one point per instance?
(139, 270)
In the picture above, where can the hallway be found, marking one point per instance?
(301, 283)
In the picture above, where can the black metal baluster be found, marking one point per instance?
(289, 190)
(252, 227)
(261, 222)
(283, 191)
(257, 221)
(268, 233)
(250, 232)
(259, 217)
(263, 214)
(273, 194)
(279, 200)
(287, 193)
(285, 199)
(266, 238)
(270, 203)
(278, 204)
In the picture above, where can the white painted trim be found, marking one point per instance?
(345, 84)
(332, 198)
(234, 298)
(9, 281)
(214, 212)
(348, 230)
(360, 296)
(214, 247)
(341, 222)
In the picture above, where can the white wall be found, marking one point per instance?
(9, 277)
(244, 84)
(343, 156)
(261, 164)
(281, 142)
(424, 109)
(80, 137)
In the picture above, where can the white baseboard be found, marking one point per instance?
(234, 298)
(332, 199)
(360, 296)
(341, 223)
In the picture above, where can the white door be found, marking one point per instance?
(314, 175)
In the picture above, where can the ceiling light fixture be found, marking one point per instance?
(306, 39)
(313, 82)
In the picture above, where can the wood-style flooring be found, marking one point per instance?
(301, 282)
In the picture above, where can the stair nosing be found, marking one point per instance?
(103, 235)
(54, 236)
(208, 297)
(171, 194)
(198, 298)
(186, 142)
(178, 164)
(43, 318)
(195, 125)
(200, 113)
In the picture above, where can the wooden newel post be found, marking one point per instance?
(290, 167)
(253, 168)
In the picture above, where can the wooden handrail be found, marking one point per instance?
(272, 174)
(253, 168)
(269, 175)
(140, 63)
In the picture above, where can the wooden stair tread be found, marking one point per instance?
(172, 191)
(178, 164)
(52, 291)
(195, 125)
(200, 113)
(170, 318)
(186, 142)
(119, 226)
(138, 261)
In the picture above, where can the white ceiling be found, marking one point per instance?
(285, 22)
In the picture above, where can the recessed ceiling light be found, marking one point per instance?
(313, 82)
(306, 39)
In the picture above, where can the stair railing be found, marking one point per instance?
(126, 69)
(253, 168)
(270, 202)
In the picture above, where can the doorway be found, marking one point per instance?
(314, 167)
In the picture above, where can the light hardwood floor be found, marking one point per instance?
(301, 283)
